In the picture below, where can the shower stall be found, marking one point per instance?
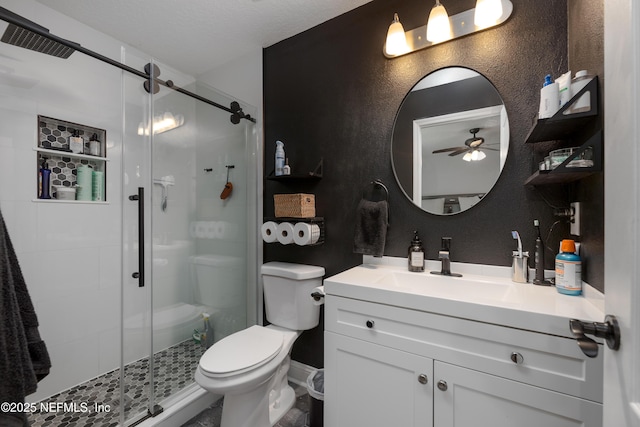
(122, 283)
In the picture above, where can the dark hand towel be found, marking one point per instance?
(372, 219)
(24, 359)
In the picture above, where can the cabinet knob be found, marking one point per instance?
(517, 358)
(442, 385)
(422, 379)
(370, 324)
(135, 275)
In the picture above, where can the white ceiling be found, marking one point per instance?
(195, 36)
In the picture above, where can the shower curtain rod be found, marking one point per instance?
(12, 18)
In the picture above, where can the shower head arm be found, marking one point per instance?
(12, 18)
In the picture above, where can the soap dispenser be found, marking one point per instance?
(416, 254)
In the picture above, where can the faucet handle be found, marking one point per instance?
(445, 244)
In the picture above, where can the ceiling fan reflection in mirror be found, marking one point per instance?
(471, 149)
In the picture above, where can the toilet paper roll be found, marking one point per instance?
(305, 233)
(269, 231)
(285, 233)
(201, 229)
(220, 230)
(317, 294)
(210, 229)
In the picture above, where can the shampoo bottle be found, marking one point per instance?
(45, 180)
(549, 98)
(568, 269)
(94, 145)
(416, 254)
(279, 158)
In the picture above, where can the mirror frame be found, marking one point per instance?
(466, 102)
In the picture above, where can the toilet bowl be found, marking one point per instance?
(250, 367)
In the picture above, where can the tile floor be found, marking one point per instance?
(298, 416)
(173, 370)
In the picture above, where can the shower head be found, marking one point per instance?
(26, 34)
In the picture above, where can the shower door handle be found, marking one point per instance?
(140, 273)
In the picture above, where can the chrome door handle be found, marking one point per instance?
(609, 330)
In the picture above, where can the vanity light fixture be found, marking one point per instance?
(486, 14)
(396, 38)
(438, 25)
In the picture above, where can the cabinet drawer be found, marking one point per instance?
(547, 361)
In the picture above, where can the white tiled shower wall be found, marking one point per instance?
(69, 253)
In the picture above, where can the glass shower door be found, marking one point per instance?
(199, 212)
(189, 226)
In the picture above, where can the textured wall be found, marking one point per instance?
(330, 92)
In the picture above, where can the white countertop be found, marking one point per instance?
(484, 293)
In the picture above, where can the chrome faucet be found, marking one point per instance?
(443, 256)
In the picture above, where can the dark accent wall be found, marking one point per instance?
(330, 93)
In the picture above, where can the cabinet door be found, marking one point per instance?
(374, 386)
(468, 398)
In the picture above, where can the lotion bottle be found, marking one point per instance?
(416, 254)
(549, 98)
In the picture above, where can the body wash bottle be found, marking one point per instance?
(416, 254)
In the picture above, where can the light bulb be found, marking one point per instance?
(487, 13)
(438, 25)
(467, 157)
(481, 155)
(396, 39)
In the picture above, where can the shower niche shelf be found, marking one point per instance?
(53, 146)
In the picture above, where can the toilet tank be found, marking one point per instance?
(287, 294)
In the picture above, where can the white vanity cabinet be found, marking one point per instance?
(392, 366)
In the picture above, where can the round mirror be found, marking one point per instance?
(450, 140)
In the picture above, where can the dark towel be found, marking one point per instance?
(24, 359)
(372, 219)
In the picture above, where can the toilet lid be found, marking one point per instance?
(242, 351)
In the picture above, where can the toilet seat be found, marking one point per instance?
(242, 351)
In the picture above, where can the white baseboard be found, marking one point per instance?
(298, 373)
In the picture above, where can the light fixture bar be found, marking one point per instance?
(462, 24)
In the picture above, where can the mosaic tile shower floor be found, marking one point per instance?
(173, 370)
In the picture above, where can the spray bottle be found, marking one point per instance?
(279, 158)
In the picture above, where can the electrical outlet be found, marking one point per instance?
(575, 219)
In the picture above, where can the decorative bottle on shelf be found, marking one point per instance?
(286, 169)
(94, 145)
(76, 143)
(416, 254)
(279, 158)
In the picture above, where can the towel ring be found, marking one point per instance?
(373, 185)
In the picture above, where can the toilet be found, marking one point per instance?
(250, 367)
